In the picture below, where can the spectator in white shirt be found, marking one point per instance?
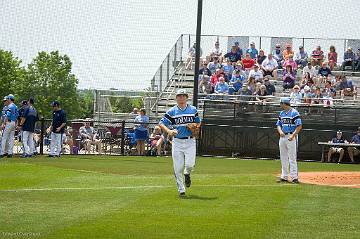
(256, 73)
(301, 57)
(310, 69)
(295, 96)
(269, 66)
(216, 52)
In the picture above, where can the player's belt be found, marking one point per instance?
(288, 133)
(189, 137)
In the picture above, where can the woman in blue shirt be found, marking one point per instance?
(141, 131)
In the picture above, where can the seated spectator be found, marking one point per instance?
(288, 78)
(357, 61)
(204, 70)
(228, 70)
(295, 95)
(205, 85)
(354, 151)
(287, 52)
(239, 67)
(270, 88)
(301, 57)
(246, 93)
(270, 66)
(236, 83)
(89, 137)
(233, 55)
(261, 57)
(337, 149)
(324, 73)
(278, 56)
(221, 87)
(332, 57)
(215, 52)
(290, 61)
(256, 73)
(309, 69)
(306, 80)
(252, 51)
(347, 88)
(349, 59)
(307, 95)
(156, 140)
(248, 62)
(215, 78)
(317, 56)
(261, 93)
(141, 131)
(257, 88)
(251, 84)
(328, 93)
(317, 99)
(215, 64)
(191, 56)
(68, 140)
(238, 49)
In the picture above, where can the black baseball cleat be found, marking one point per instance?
(282, 180)
(187, 180)
(182, 195)
(295, 181)
(51, 156)
(9, 155)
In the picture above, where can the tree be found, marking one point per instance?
(49, 78)
(11, 73)
(86, 100)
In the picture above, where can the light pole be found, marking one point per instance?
(197, 53)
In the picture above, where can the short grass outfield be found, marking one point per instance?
(136, 197)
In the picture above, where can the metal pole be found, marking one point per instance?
(122, 147)
(197, 53)
(42, 132)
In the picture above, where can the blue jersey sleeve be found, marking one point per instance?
(197, 118)
(167, 119)
(297, 119)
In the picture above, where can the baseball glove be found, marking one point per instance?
(195, 129)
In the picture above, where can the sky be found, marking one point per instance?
(121, 44)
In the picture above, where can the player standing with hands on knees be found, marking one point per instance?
(289, 126)
(182, 122)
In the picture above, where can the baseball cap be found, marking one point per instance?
(277, 45)
(339, 132)
(55, 103)
(306, 88)
(252, 43)
(236, 43)
(11, 97)
(285, 100)
(24, 102)
(181, 92)
(5, 98)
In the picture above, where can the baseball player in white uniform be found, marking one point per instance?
(174, 123)
(289, 126)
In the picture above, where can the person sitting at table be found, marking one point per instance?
(354, 151)
(337, 149)
(89, 137)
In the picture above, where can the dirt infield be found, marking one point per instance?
(339, 179)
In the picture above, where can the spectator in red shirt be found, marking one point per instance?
(215, 78)
(332, 57)
(290, 61)
(317, 56)
(248, 62)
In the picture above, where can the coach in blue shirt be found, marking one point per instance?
(57, 129)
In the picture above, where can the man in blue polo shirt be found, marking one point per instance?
(27, 124)
(8, 126)
(57, 129)
(289, 126)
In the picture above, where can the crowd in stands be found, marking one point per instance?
(306, 77)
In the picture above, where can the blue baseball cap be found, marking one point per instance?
(55, 103)
(285, 100)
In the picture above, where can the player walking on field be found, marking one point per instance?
(289, 126)
(183, 123)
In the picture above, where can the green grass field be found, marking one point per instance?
(136, 197)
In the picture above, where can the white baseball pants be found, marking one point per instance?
(56, 144)
(288, 154)
(28, 142)
(7, 140)
(183, 154)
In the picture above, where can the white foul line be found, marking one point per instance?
(135, 187)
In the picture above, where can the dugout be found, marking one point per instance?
(248, 129)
